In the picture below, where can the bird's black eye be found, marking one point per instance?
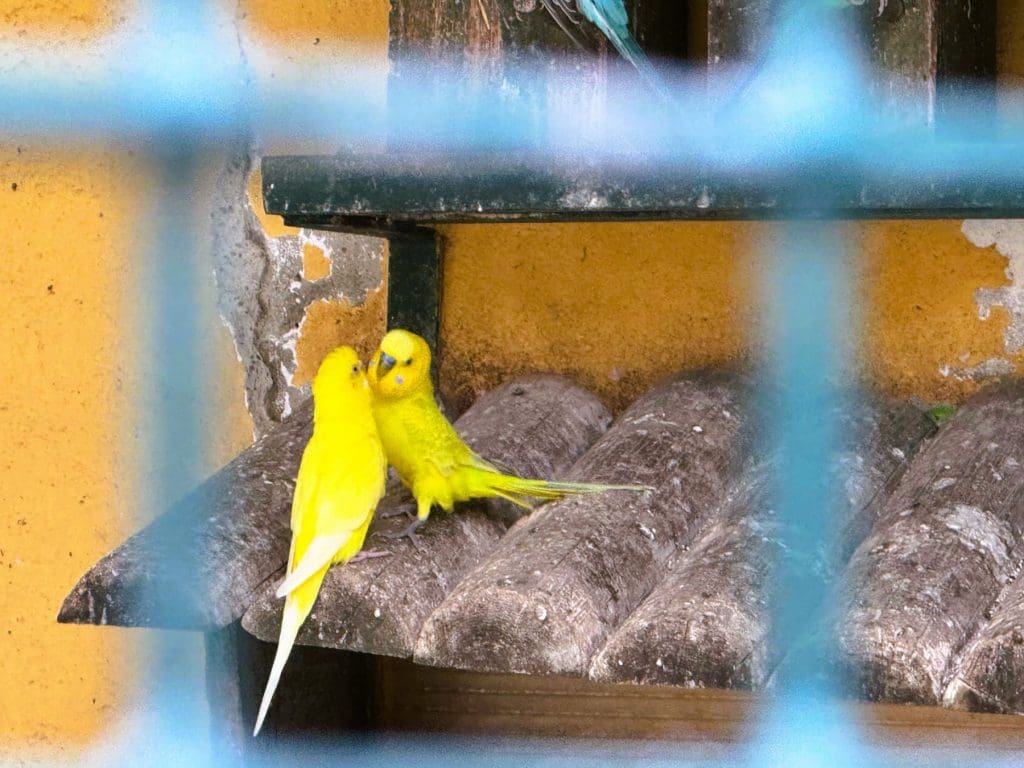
(409, 361)
(355, 368)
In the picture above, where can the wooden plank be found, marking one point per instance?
(536, 426)
(737, 32)
(947, 542)
(236, 524)
(924, 57)
(413, 698)
(459, 53)
(928, 56)
(989, 675)
(708, 623)
(561, 581)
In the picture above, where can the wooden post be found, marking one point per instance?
(923, 54)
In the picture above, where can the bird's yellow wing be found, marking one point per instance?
(338, 489)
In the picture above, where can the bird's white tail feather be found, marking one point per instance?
(291, 620)
(320, 552)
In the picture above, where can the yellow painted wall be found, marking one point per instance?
(69, 379)
(67, 225)
(620, 305)
(613, 304)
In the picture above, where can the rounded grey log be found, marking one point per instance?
(708, 623)
(946, 544)
(536, 426)
(563, 579)
(989, 675)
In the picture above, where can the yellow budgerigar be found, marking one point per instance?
(426, 451)
(341, 479)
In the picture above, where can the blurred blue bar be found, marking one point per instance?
(807, 295)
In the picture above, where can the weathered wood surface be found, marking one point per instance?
(198, 564)
(928, 53)
(420, 699)
(708, 623)
(990, 673)
(924, 55)
(488, 44)
(561, 581)
(536, 426)
(945, 546)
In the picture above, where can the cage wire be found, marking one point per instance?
(803, 117)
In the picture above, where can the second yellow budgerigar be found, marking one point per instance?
(426, 451)
(341, 479)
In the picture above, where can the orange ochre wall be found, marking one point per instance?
(617, 305)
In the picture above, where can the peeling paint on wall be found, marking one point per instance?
(991, 368)
(270, 276)
(1008, 238)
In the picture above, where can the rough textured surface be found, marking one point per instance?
(708, 623)
(990, 673)
(923, 53)
(198, 564)
(268, 301)
(947, 542)
(536, 426)
(562, 580)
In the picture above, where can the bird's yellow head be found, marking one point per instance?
(340, 377)
(400, 365)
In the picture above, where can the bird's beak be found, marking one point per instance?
(386, 363)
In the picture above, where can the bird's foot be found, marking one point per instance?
(408, 509)
(369, 554)
(409, 532)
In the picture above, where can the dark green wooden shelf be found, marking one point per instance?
(394, 193)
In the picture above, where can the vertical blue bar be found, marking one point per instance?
(175, 716)
(175, 724)
(808, 289)
(809, 294)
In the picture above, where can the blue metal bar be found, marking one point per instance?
(807, 287)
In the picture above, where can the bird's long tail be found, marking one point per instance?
(299, 590)
(520, 490)
(630, 50)
(297, 606)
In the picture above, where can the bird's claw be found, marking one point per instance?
(408, 509)
(409, 532)
(369, 554)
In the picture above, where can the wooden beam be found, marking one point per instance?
(418, 699)
(379, 193)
